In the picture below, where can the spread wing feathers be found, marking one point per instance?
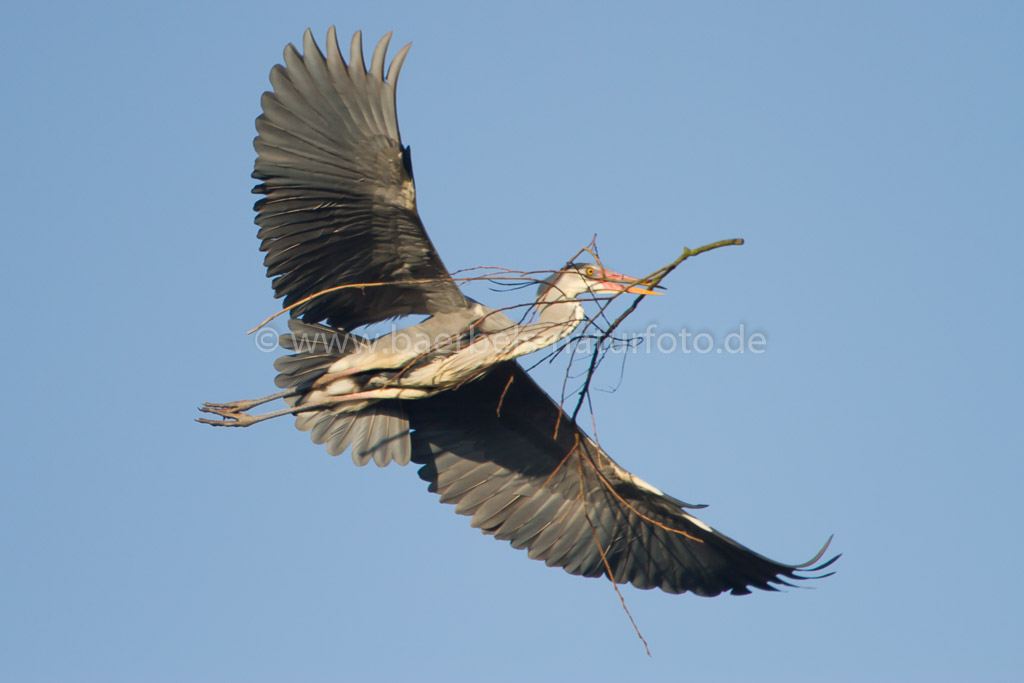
(340, 205)
(491, 448)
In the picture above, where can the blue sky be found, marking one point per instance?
(869, 153)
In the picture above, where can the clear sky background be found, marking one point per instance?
(871, 155)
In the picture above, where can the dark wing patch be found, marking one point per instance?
(340, 205)
(565, 500)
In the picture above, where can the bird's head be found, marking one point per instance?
(580, 278)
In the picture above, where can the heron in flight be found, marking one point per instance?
(345, 247)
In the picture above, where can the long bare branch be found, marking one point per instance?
(651, 281)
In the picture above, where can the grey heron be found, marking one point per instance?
(345, 248)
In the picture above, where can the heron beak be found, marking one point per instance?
(617, 282)
(642, 290)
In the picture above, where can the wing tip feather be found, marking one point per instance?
(806, 566)
(356, 65)
(380, 55)
(396, 64)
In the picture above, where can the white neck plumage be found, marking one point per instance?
(558, 314)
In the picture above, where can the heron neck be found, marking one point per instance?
(557, 317)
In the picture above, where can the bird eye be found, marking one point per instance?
(590, 272)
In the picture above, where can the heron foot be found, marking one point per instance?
(233, 415)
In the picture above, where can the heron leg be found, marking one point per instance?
(235, 414)
(406, 393)
(249, 404)
(234, 417)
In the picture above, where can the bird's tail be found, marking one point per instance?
(378, 431)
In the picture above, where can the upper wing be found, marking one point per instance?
(506, 454)
(340, 205)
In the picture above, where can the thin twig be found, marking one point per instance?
(508, 385)
(604, 558)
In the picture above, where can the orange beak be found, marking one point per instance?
(617, 282)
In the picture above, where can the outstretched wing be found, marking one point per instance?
(340, 205)
(505, 453)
